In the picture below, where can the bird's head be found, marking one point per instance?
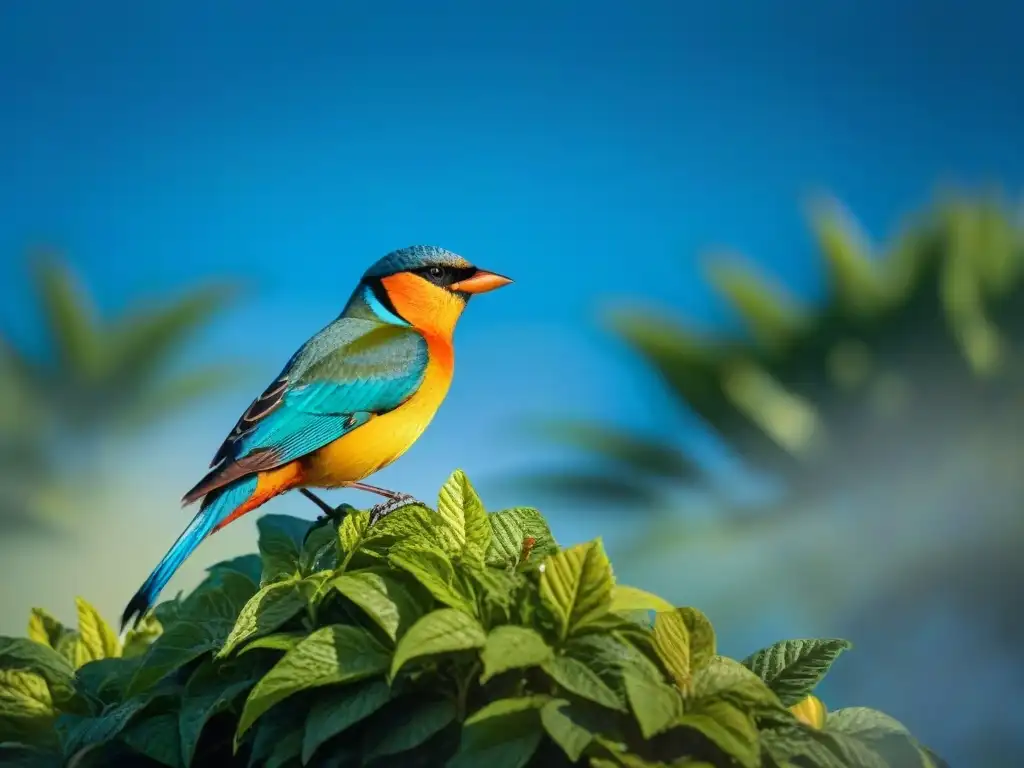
(424, 286)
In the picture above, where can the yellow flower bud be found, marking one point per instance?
(810, 711)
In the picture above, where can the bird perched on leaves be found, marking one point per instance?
(353, 399)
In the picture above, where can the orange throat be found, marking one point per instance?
(428, 308)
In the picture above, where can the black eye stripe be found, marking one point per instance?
(446, 276)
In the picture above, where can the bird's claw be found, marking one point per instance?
(339, 513)
(385, 508)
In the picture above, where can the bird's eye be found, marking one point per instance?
(436, 272)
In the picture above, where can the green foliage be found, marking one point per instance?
(794, 667)
(800, 391)
(96, 377)
(432, 638)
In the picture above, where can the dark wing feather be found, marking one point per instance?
(258, 409)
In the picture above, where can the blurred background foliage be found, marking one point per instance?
(94, 380)
(797, 456)
(880, 435)
(877, 431)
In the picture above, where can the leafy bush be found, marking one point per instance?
(434, 638)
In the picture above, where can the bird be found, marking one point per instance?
(349, 402)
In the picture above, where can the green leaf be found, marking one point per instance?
(315, 586)
(413, 524)
(44, 628)
(273, 606)
(176, 647)
(510, 528)
(511, 647)
(279, 641)
(205, 619)
(320, 550)
(351, 533)
(571, 736)
(656, 705)
(277, 740)
(433, 570)
(576, 677)
(672, 641)
(106, 679)
(333, 654)
(384, 598)
(341, 710)
(499, 595)
(198, 706)
(613, 656)
(74, 650)
(865, 723)
(95, 635)
(138, 639)
(280, 545)
(792, 668)
(466, 530)
(729, 728)
(504, 734)
(441, 631)
(728, 679)
(82, 732)
(883, 734)
(409, 729)
(576, 586)
(850, 751)
(16, 755)
(624, 760)
(156, 738)
(250, 566)
(626, 599)
(785, 743)
(701, 635)
(23, 654)
(26, 706)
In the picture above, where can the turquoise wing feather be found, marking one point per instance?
(350, 371)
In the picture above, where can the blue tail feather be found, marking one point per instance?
(217, 506)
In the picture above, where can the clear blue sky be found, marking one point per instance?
(590, 150)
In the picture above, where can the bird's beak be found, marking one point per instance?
(480, 281)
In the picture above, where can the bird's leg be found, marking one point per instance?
(394, 501)
(330, 514)
(379, 491)
(326, 508)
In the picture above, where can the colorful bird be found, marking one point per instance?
(353, 399)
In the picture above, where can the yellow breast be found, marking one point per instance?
(384, 438)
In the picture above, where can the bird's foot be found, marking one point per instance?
(335, 516)
(382, 510)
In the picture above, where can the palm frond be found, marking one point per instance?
(771, 315)
(856, 278)
(70, 322)
(717, 381)
(141, 343)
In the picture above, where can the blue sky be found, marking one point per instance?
(592, 151)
